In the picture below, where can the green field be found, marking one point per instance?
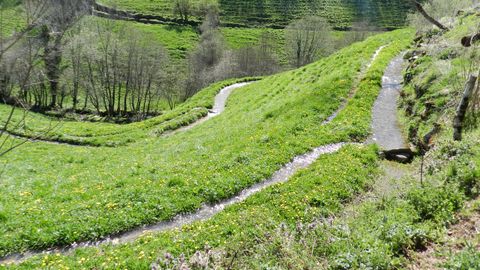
(58, 195)
(11, 20)
(278, 13)
(76, 181)
(39, 126)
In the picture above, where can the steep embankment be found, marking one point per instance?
(438, 70)
(74, 194)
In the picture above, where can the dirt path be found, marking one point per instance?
(207, 211)
(386, 132)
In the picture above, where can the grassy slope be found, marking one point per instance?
(341, 13)
(381, 234)
(62, 200)
(38, 126)
(318, 190)
(438, 78)
(11, 21)
(177, 39)
(384, 232)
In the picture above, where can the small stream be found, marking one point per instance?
(386, 131)
(204, 213)
(354, 90)
(218, 107)
(384, 117)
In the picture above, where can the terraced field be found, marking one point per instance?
(11, 20)
(278, 13)
(53, 198)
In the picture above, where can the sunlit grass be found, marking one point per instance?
(56, 194)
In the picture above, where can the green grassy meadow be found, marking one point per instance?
(278, 13)
(348, 210)
(52, 197)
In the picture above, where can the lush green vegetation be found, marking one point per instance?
(38, 126)
(179, 40)
(55, 195)
(11, 19)
(56, 199)
(469, 258)
(320, 189)
(435, 79)
(278, 13)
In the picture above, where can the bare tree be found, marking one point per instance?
(172, 85)
(60, 16)
(33, 14)
(307, 39)
(8, 64)
(183, 8)
(75, 50)
(122, 72)
(434, 12)
(205, 7)
(208, 53)
(257, 60)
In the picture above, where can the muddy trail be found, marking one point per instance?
(208, 210)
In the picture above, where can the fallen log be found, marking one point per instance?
(462, 108)
(468, 41)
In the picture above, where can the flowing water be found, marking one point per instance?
(386, 131)
(389, 94)
(354, 90)
(218, 107)
(204, 213)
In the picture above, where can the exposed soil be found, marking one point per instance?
(458, 235)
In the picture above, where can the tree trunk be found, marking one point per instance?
(428, 17)
(53, 59)
(462, 108)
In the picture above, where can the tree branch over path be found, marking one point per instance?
(429, 18)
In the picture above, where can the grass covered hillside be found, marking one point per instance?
(53, 197)
(11, 19)
(351, 160)
(278, 13)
